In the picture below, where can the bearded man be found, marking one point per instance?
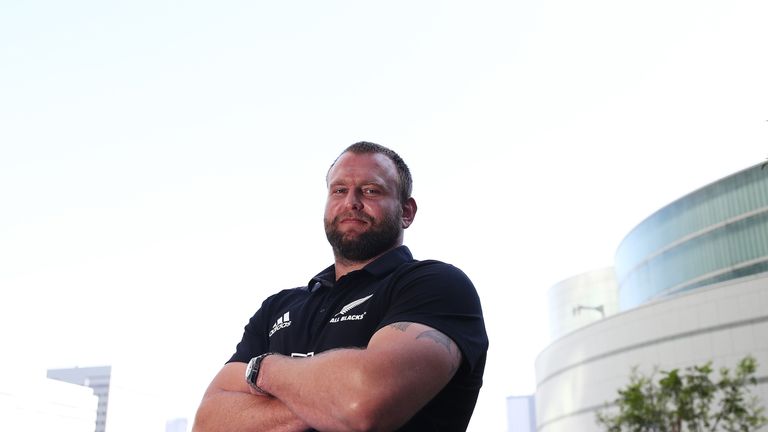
(378, 341)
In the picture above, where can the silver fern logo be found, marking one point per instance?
(342, 315)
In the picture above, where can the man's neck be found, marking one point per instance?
(344, 266)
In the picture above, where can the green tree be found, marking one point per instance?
(687, 401)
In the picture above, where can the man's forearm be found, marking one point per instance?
(230, 411)
(377, 388)
(324, 390)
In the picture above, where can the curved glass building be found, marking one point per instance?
(691, 286)
(716, 233)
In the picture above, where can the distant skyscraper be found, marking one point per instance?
(96, 378)
(176, 425)
(521, 414)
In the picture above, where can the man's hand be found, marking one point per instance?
(228, 406)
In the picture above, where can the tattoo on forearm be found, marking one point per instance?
(402, 326)
(436, 337)
(446, 342)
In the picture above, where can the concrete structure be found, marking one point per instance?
(582, 299)
(692, 287)
(97, 378)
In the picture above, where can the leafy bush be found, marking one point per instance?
(687, 401)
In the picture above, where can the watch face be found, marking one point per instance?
(252, 373)
(249, 375)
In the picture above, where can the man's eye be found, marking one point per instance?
(369, 191)
(338, 191)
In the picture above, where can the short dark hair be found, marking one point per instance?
(403, 173)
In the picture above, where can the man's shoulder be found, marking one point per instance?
(431, 272)
(431, 266)
(286, 296)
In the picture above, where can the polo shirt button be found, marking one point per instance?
(322, 310)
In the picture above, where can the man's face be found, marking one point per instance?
(363, 213)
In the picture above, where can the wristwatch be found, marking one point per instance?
(252, 372)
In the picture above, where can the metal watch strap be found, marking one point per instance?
(255, 369)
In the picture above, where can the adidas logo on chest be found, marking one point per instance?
(282, 322)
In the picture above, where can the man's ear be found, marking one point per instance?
(409, 212)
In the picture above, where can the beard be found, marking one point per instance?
(381, 236)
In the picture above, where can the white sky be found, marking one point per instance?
(162, 162)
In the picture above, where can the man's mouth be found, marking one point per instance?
(354, 219)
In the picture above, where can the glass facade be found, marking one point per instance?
(716, 233)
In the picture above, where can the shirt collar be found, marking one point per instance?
(388, 262)
(380, 267)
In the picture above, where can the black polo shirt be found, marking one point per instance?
(330, 314)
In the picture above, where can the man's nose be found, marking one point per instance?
(354, 201)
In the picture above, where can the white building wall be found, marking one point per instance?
(578, 373)
(581, 300)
